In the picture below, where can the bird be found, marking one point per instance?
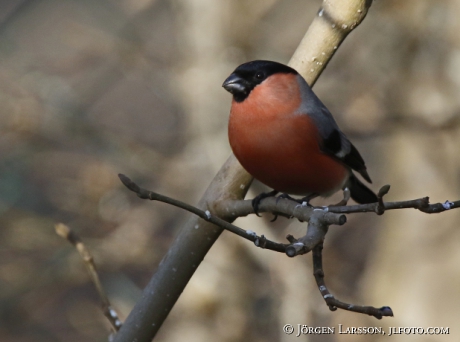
(285, 137)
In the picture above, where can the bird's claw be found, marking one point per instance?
(256, 201)
(285, 196)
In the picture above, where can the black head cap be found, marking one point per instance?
(248, 75)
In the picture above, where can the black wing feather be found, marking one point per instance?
(333, 143)
(333, 146)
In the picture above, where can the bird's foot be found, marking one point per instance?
(304, 201)
(286, 196)
(256, 201)
(308, 198)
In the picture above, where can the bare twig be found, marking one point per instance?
(244, 208)
(334, 303)
(319, 219)
(316, 232)
(205, 215)
(422, 204)
(65, 232)
(231, 209)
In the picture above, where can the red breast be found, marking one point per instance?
(280, 146)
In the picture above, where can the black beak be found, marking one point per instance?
(234, 84)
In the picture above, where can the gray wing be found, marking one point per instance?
(334, 143)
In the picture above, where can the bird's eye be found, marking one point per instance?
(259, 75)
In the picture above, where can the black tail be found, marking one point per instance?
(359, 192)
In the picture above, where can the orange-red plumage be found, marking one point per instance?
(278, 147)
(283, 135)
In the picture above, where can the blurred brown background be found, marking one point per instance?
(89, 89)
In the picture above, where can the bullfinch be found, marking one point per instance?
(285, 137)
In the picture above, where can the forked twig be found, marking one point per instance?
(259, 241)
(334, 303)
